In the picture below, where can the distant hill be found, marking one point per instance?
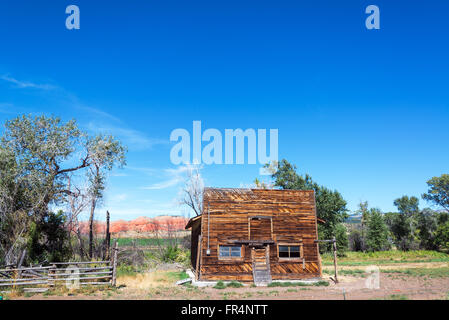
(356, 218)
(141, 224)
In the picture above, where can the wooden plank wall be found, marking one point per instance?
(294, 221)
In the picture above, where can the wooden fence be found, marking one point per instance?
(70, 274)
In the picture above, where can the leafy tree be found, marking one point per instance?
(330, 205)
(401, 230)
(403, 223)
(438, 192)
(48, 240)
(38, 156)
(407, 206)
(341, 237)
(377, 232)
(41, 146)
(363, 212)
(442, 236)
(426, 227)
(104, 152)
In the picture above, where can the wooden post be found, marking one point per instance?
(114, 264)
(19, 265)
(54, 275)
(108, 238)
(198, 256)
(334, 245)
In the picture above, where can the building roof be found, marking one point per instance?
(246, 194)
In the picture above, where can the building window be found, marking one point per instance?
(289, 252)
(230, 252)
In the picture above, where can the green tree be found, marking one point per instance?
(377, 232)
(363, 212)
(341, 236)
(356, 240)
(49, 240)
(330, 205)
(407, 205)
(105, 152)
(41, 145)
(403, 224)
(39, 155)
(442, 236)
(438, 192)
(426, 227)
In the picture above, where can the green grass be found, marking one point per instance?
(421, 272)
(416, 272)
(298, 284)
(397, 297)
(232, 284)
(177, 275)
(219, 285)
(348, 272)
(385, 257)
(142, 242)
(126, 270)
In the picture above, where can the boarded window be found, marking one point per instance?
(260, 229)
(289, 252)
(230, 252)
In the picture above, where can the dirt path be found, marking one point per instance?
(153, 286)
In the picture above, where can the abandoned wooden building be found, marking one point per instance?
(255, 235)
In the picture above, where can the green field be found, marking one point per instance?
(143, 242)
(385, 257)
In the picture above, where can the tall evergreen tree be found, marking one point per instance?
(377, 232)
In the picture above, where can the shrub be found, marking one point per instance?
(234, 284)
(125, 270)
(220, 285)
(170, 253)
(183, 257)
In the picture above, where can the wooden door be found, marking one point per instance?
(260, 229)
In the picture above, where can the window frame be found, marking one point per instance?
(301, 251)
(230, 257)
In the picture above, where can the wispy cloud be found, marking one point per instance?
(175, 177)
(133, 138)
(59, 93)
(26, 84)
(7, 108)
(164, 185)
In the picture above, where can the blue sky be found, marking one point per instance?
(363, 111)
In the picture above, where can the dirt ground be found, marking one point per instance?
(153, 286)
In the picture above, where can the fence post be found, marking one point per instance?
(53, 277)
(114, 264)
(334, 245)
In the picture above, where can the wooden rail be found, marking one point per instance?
(41, 278)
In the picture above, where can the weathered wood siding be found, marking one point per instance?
(289, 217)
